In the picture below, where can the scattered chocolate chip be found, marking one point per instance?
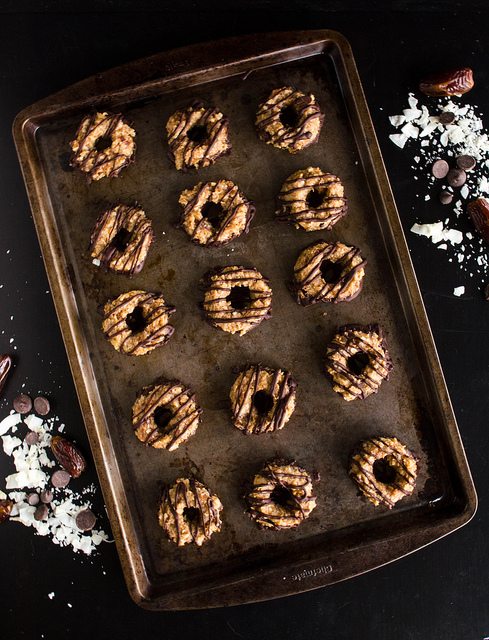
(456, 177)
(446, 197)
(42, 406)
(22, 403)
(5, 364)
(33, 499)
(486, 292)
(440, 169)
(447, 117)
(60, 479)
(47, 496)
(465, 162)
(31, 438)
(85, 520)
(41, 513)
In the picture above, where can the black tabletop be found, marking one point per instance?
(438, 592)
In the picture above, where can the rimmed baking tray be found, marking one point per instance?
(344, 535)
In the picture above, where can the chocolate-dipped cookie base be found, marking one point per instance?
(189, 513)
(384, 470)
(262, 399)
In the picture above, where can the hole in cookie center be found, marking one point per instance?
(384, 472)
(282, 497)
(330, 271)
(213, 213)
(239, 297)
(103, 143)
(136, 320)
(191, 515)
(314, 198)
(289, 117)
(357, 362)
(162, 417)
(262, 401)
(121, 240)
(197, 133)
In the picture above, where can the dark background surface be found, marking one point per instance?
(439, 592)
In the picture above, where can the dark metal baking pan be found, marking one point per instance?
(344, 535)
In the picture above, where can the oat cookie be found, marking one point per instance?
(384, 470)
(197, 136)
(189, 513)
(358, 361)
(311, 200)
(262, 399)
(328, 272)
(137, 322)
(215, 213)
(289, 119)
(281, 496)
(104, 144)
(121, 239)
(165, 415)
(237, 299)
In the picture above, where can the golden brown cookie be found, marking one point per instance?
(384, 470)
(262, 399)
(358, 361)
(237, 299)
(328, 272)
(137, 322)
(311, 200)
(281, 496)
(165, 415)
(289, 119)
(121, 239)
(189, 513)
(104, 144)
(215, 213)
(197, 136)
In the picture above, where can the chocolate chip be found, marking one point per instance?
(33, 499)
(447, 117)
(440, 169)
(22, 403)
(486, 292)
(47, 496)
(31, 437)
(41, 513)
(446, 197)
(456, 177)
(465, 162)
(60, 479)
(42, 406)
(85, 520)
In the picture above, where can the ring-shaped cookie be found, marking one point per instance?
(384, 470)
(237, 299)
(281, 496)
(104, 144)
(165, 415)
(136, 322)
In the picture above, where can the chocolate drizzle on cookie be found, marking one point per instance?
(215, 213)
(328, 272)
(384, 470)
(189, 513)
(221, 301)
(281, 496)
(165, 415)
(262, 399)
(197, 136)
(289, 119)
(103, 145)
(311, 199)
(358, 361)
(121, 239)
(137, 322)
